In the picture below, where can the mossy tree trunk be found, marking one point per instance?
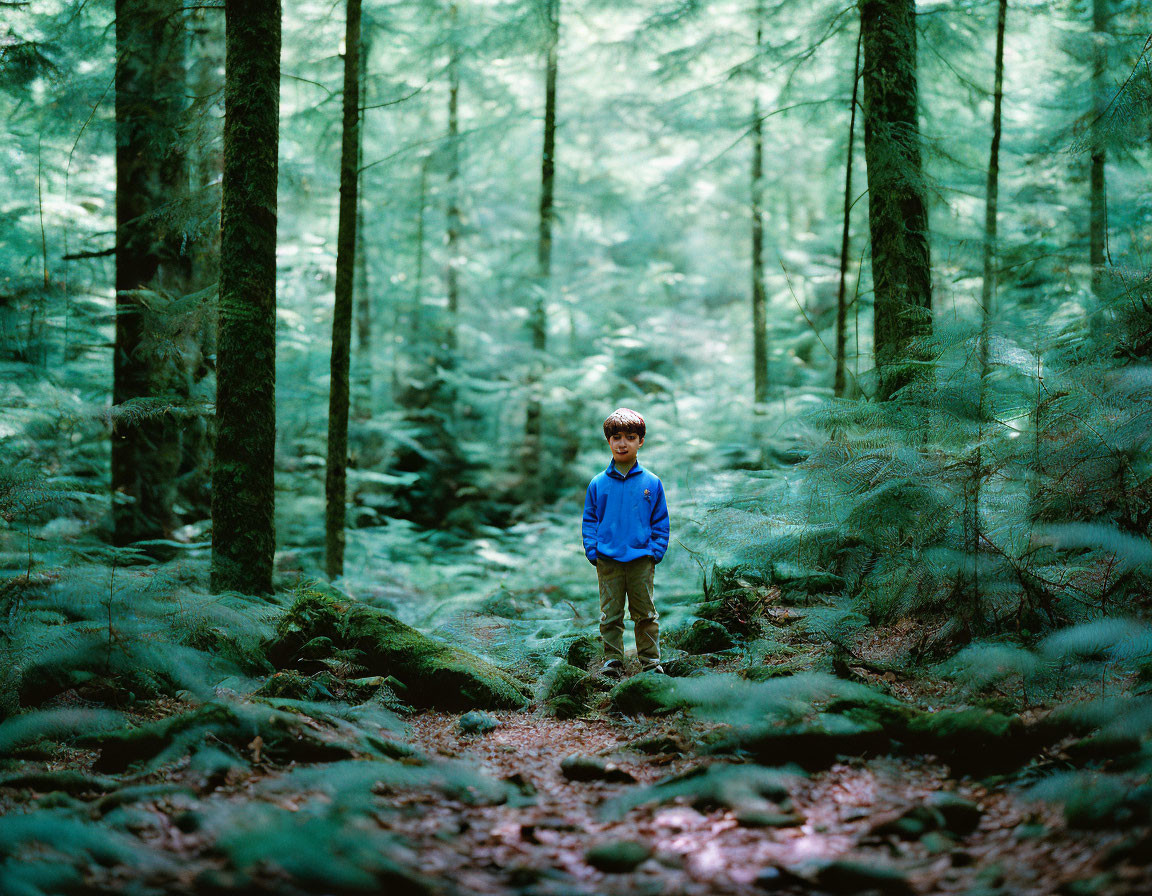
(840, 379)
(338, 401)
(243, 534)
(534, 422)
(759, 300)
(149, 378)
(897, 215)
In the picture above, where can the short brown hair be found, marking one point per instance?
(623, 420)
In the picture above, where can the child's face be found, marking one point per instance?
(624, 446)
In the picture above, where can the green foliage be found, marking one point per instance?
(48, 851)
(1121, 640)
(1093, 800)
(990, 664)
(256, 836)
(120, 634)
(53, 725)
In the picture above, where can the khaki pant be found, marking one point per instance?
(633, 580)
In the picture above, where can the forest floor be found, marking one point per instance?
(329, 791)
(596, 826)
(832, 840)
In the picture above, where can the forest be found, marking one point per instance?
(311, 316)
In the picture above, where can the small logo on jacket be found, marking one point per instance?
(647, 495)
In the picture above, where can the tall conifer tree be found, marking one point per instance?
(992, 193)
(337, 470)
(243, 500)
(363, 403)
(539, 321)
(452, 267)
(840, 380)
(897, 216)
(759, 300)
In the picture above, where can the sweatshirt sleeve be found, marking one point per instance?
(588, 527)
(660, 527)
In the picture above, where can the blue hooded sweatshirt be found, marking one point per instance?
(625, 517)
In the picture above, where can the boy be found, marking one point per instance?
(625, 535)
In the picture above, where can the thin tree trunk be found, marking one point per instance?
(336, 480)
(897, 215)
(451, 270)
(987, 300)
(988, 292)
(840, 382)
(206, 76)
(1098, 224)
(364, 311)
(243, 500)
(151, 172)
(759, 300)
(539, 324)
(547, 170)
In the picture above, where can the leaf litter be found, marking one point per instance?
(495, 813)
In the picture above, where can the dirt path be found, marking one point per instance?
(843, 830)
(836, 846)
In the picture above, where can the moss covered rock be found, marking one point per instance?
(702, 636)
(312, 619)
(568, 692)
(477, 722)
(814, 743)
(646, 694)
(584, 651)
(438, 675)
(842, 876)
(579, 767)
(972, 741)
(617, 858)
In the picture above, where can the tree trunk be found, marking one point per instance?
(206, 79)
(988, 292)
(972, 524)
(840, 381)
(534, 423)
(451, 269)
(337, 470)
(759, 300)
(364, 357)
(243, 500)
(149, 381)
(897, 216)
(1098, 224)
